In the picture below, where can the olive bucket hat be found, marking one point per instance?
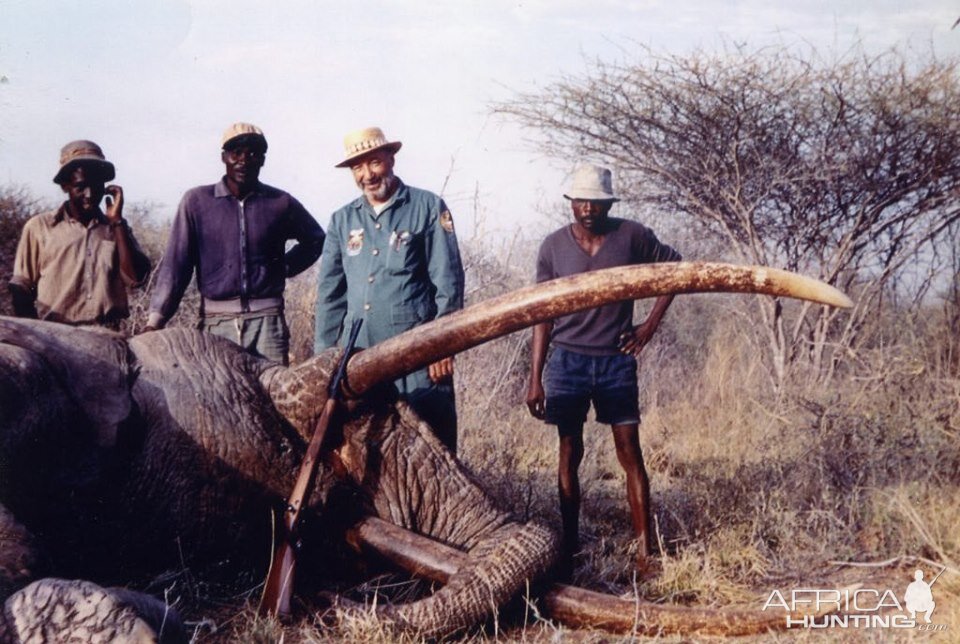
(85, 153)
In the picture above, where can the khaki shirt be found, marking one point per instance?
(72, 269)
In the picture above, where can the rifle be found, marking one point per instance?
(279, 584)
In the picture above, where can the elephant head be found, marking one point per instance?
(122, 457)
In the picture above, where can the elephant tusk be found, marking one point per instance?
(530, 305)
(570, 605)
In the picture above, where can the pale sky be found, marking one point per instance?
(155, 82)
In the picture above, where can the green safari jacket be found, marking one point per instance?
(396, 270)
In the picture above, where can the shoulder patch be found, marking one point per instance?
(446, 221)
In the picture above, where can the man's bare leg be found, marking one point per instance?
(627, 441)
(568, 485)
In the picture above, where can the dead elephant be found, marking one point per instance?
(144, 453)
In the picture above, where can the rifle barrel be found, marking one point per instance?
(278, 587)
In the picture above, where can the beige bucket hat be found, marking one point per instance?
(591, 182)
(360, 142)
(238, 130)
(86, 153)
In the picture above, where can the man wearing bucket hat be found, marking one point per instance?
(234, 234)
(594, 352)
(392, 259)
(74, 264)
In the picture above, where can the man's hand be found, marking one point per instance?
(24, 305)
(114, 211)
(536, 399)
(633, 341)
(441, 370)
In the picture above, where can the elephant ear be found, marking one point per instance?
(91, 365)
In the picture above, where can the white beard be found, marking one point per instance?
(383, 192)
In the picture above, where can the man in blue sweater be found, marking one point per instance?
(234, 234)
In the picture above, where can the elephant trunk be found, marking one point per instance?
(525, 307)
(571, 606)
(487, 578)
(423, 488)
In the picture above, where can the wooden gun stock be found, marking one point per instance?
(278, 587)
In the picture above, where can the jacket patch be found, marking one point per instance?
(446, 221)
(355, 242)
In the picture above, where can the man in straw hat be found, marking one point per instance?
(234, 234)
(392, 259)
(594, 352)
(74, 264)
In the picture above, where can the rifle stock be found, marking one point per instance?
(278, 587)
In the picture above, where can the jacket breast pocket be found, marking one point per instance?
(406, 252)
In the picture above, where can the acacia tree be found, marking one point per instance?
(847, 169)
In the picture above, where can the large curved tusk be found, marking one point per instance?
(572, 606)
(530, 305)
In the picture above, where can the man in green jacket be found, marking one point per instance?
(391, 258)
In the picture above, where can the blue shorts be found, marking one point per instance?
(572, 380)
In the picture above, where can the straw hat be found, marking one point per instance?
(83, 152)
(361, 142)
(591, 182)
(238, 130)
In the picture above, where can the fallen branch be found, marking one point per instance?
(895, 560)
